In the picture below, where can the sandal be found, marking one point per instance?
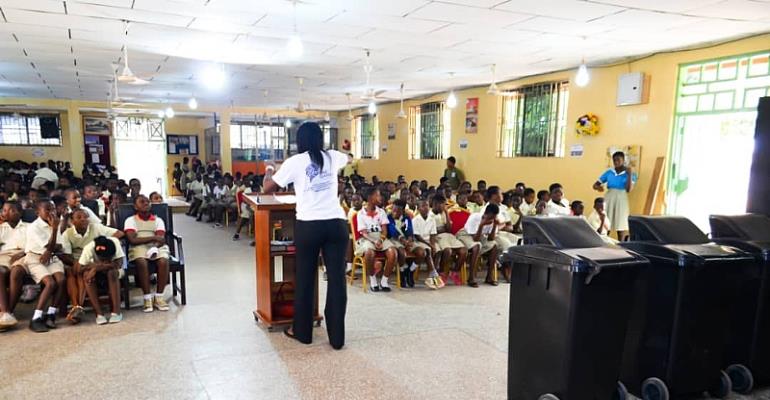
(75, 315)
(491, 282)
(473, 284)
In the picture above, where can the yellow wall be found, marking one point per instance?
(186, 126)
(648, 125)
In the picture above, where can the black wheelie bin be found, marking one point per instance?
(748, 343)
(569, 309)
(675, 341)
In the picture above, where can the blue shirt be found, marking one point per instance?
(616, 180)
(406, 228)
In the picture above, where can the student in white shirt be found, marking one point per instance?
(479, 236)
(90, 192)
(504, 237)
(13, 237)
(556, 206)
(528, 206)
(599, 221)
(225, 203)
(103, 257)
(426, 232)
(40, 262)
(372, 223)
(73, 203)
(447, 243)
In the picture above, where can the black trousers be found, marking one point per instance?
(329, 237)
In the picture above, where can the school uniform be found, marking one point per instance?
(153, 226)
(88, 255)
(352, 212)
(37, 237)
(554, 209)
(424, 228)
(445, 240)
(466, 235)
(92, 217)
(370, 229)
(595, 221)
(474, 208)
(503, 239)
(12, 241)
(74, 242)
(528, 209)
(616, 199)
(403, 228)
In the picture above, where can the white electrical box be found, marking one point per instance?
(630, 89)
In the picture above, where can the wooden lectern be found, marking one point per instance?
(275, 258)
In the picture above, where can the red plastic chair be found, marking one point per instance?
(458, 218)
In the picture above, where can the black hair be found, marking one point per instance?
(492, 190)
(139, 197)
(438, 198)
(520, 184)
(58, 200)
(399, 203)
(619, 154)
(104, 247)
(452, 159)
(516, 194)
(542, 193)
(554, 186)
(310, 139)
(492, 209)
(42, 202)
(481, 181)
(368, 192)
(598, 200)
(575, 204)
(80, 210)
(15, 204)
(529, 191)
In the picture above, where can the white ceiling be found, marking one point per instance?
(64, 49)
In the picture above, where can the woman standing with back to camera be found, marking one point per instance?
(321, 227)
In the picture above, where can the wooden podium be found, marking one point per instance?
(275, 259)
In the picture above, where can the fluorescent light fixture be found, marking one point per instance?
(294, 46)
(451, 101)
(582, 78)
(213, 77)
(372, 108)
(192, 104)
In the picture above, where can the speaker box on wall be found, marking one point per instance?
(49, 127)
(759, 184)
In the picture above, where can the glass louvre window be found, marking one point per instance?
(429, 131)
(534, 121)
(366, 138)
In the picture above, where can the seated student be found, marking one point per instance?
(135, 189)
(556, 206)
(553, 187)
(40, 262)
(156, 198)
(476, 202)
(461, 205)
(411, 204)
(519, 188)
(13, 238)
(599, 221)
(449, 196)
(481, 186)
(401, 233)
(540, 208)
(103, 257)
(92, 193)
(73, 203)
(576, 207)
(356, 204)
(146, 234)
(199, 191)
(226, 200)
(448, 244)
(372, 226)
(514, 211)
(75, 238)
(117, 198)
(504, 236)
(527, 206)
(478, 235)
(425, 233)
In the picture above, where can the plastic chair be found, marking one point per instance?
(360, 261)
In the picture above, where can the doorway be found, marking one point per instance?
(97, 150)
(140, 149)
(713, 141)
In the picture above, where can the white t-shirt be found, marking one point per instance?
(424, 227)
(473, 222)
(89, 252)
(553, 209)
(13, 239)
(38, 235)
(371, 224)
(316, 190)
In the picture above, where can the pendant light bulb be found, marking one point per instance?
(294, 46)
(582, 78)
(192, 104)
(161, 114)
(372, 108)
(169, 112)
(287, 123)
(451, 101)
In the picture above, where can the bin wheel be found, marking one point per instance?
(723, 387)
(621, 393)
(548, 396)
(741, 378)
(654, 389)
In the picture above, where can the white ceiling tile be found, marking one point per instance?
(562, 26)
(117, 13)
(53, 6)
(476, 3)
(576, 10)
(661, 5)
(111, 3)
(465, 14)
(62, 20)
(733, 9)
(648, 20)
(386, 22)
(397, 8)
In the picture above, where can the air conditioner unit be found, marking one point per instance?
(630, 89)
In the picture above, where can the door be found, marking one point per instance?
(713, 141)
(140, 147)
(97, 150)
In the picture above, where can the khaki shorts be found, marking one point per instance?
(448, 241)
(505, 240)
(37, 270)
(246, 211)
(5, 261)
(485, 245)
(363, 245)
(140, 251)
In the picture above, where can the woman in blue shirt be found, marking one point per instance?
(616, 199)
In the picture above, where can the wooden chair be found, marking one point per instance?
(360, 261)
(176, 262)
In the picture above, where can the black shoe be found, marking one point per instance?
(404, 280)
(38, 325)
(50, 321)
(409, 277)
(385, 289)
(375, 289)
(236, 237)
(198, 219)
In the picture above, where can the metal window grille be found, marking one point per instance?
(534, 121)
(429, 130)
(24, 130)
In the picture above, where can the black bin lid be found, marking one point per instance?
(665, 230)
(747, 227)
(560, 232)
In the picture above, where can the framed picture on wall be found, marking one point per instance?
(182, 144)
(97, 126)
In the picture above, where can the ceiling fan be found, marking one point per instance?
(350, 110)
(370, 94)
(401, 114)
(301, 107)
(126, 75)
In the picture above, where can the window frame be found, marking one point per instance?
(270, 139)
(357, 127)
(443, 133)
(514, 139)
(26, 130)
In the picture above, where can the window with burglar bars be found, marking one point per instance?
(534, 121)
(366, 136)
(263, 141)
(429, 130)
(140, 129)
(24, 130)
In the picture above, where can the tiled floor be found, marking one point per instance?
(418, 344)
